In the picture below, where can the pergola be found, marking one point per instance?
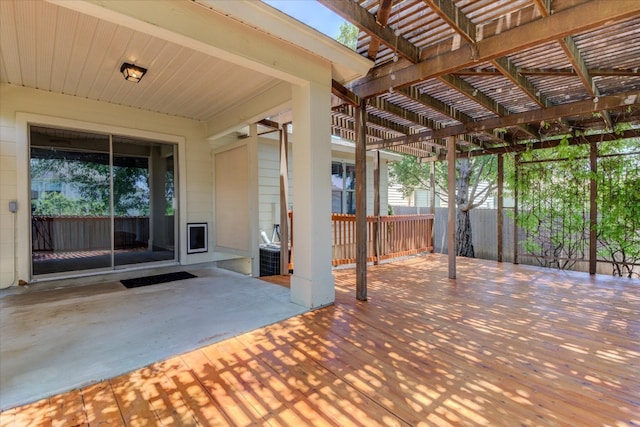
(456, 78)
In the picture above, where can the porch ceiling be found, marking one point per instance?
(495, 74)
(56, 49)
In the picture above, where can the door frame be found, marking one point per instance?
(23, 123)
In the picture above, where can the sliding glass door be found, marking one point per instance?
(99, 202)
(143, 190)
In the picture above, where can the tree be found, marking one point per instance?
(619, 207)
(89, 184)
(475, 182)
(554, 205)
(348, 35)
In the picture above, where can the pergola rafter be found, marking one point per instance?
(384, 11)
(366, 22)
(581, 18)
(452, 65)
(568, 44)
(514, 98)
(612, 102)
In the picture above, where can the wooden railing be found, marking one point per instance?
(387, 237)
(82, 233)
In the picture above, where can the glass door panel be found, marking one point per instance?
(70, 201)
(143, 201)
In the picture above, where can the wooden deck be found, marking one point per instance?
(502, 345)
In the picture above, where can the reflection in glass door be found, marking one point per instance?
(99, 201)
(142, 201)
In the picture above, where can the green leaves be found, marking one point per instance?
(348, 35)
(554, 204)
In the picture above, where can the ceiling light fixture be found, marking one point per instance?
(131, 72)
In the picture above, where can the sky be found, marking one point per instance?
(311, 13)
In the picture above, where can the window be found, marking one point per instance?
(343, 188)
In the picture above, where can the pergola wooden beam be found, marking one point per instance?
(269, 123)
(509, 70)
(345, 94)
(552, 72)
(462, 25)
(568, 44)
(384, 11)
(435, 104)
(610, 102)
(575, 140)
(372, 119)
(452, 15)
(552, 113)
(361, 18)
(544, 6)
(403, 113)
(419, 152)
(580, 67)
(577, 19)
(348, 126)
(472, 93)
(400, 112)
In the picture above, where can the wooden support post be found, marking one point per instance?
(515, 208)
(500, 204)
(361, 202)
(376, 205)
(593, 209)
(432, 202)
(451, 201)
(284, 200)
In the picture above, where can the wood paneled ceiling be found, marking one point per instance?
(56, 49)
(497, 74)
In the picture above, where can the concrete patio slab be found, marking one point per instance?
(54, 340)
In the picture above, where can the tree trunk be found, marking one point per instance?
(464, 245)
(464, 242)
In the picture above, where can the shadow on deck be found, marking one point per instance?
(501, 345)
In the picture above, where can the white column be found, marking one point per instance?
(254, 206)
(312, 282)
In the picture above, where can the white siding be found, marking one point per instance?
(269, 181)
(396, 198)
(195, 180)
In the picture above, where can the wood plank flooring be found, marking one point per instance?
(502, 345)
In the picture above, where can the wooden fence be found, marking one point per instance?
(387, 237)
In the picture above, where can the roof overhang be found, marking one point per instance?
(346, 64)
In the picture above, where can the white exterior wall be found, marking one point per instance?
(396, 198)
(20, 106)
(269, 181)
